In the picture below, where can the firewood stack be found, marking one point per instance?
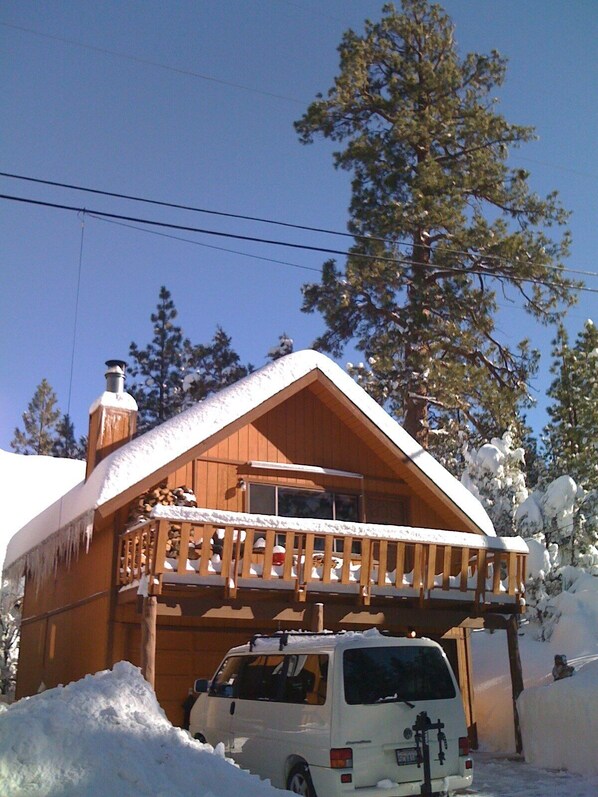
(164, 496)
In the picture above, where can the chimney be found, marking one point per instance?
(112, 417)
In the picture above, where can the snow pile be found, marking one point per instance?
(106, 734)
(559, 722)
(550, 711)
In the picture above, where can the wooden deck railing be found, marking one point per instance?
(396, 561)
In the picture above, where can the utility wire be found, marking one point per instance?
(201, 243)
(262, 220)
(149, 62)
(288, 244)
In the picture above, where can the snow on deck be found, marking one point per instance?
(376, 531)
(145, 455)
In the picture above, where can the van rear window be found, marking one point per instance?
(387, 674)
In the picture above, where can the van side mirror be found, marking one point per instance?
(201, 685)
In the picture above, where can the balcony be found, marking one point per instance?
(180, 548)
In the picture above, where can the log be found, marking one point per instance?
(149, 614)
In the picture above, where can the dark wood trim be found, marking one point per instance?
(75, 605)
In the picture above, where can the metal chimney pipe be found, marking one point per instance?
(115, 376)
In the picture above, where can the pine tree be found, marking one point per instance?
(284, 346)
(570, 436)
(65, 443)
(158, 369)
(439, 220)
(212, 366)
(39, 423)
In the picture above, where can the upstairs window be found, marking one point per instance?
(271, 499)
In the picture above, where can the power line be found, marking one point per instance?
(149, 62)
(288, 244)
(261, 220)
(201, 243)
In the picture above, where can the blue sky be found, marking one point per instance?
(214, 130)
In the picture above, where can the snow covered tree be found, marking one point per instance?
(212, 366)
(440, 222)
(570, 436)
(39, 423)
(158, 369)
(494, 474)
(284, 347)
(10, 620)
(65, 443)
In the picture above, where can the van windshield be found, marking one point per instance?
(401, 673)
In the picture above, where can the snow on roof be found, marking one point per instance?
(140, 458)
(31, 484)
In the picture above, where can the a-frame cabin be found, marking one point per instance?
(288, 500)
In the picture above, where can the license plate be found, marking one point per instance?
(408, 755)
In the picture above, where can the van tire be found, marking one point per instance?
(299, 781)
(200, 738)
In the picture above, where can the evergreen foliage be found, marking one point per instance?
(65, 443)
(440, 222)
(171, 372)
(284, 346)
(570, 436)
(211, 367)
(158, 369)
(39, 422)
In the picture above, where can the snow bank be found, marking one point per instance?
(559, 722)
(551, 709)
(107, 735)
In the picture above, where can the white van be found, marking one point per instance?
(333, 714)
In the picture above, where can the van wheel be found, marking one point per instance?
(299, 781)
(200, 738)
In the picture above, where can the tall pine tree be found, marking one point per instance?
(65, 443)
(157, 370)
(570, 436)
(212, 366)
(39, 422)
(440, 222)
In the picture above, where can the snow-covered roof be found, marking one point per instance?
(31, 484)
(139, 459)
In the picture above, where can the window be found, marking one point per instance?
(373, 675)
(294, 678)
(271, 499)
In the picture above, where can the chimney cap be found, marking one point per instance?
(116, 364)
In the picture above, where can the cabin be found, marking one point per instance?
(289, 500)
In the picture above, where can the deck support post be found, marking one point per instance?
(149, 613)
(317, 617)
(516, 676)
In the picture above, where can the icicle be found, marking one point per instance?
(42, 561)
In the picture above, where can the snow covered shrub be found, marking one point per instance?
(10, 620)
(494, 474)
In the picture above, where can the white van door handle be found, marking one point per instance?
(232, 707)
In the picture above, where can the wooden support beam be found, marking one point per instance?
(516, 676)
(317, 617)
(149, 614)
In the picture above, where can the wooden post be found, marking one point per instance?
(516, 676)
(148, 638)
(317, 617)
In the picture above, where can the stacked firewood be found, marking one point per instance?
(164, 496)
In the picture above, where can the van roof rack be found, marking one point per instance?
(283, 637)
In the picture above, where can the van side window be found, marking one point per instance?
(225, 682)
(306, 679)
(261, 678)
